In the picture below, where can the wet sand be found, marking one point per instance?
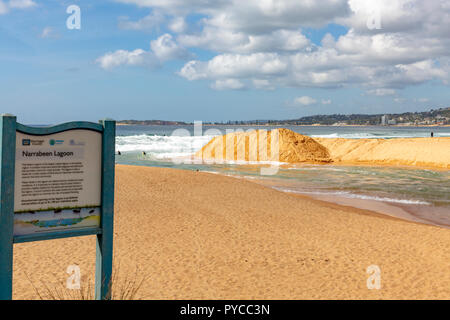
(416, 213)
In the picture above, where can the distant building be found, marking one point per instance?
(384, 120)
(392, 122)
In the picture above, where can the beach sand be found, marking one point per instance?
(205, 236)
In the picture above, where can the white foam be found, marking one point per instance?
(346, 194)
(162, 147)
(175, 147)
(316, 169)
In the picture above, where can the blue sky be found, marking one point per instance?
(213, 61)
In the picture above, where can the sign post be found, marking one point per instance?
(103, 262)
(57, 182)
(7, 163)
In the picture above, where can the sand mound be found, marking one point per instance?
(261, 145)
(427, 152)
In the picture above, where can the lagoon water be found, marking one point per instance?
(421, 194)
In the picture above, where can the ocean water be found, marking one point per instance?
(420, 192)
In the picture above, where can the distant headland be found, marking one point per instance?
(440, 117)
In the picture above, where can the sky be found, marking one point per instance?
(219, 60)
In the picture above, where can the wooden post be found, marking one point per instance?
(104, 259)
(7, 163)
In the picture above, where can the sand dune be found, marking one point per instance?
(430, 152)
(258, 145)
(205, 236)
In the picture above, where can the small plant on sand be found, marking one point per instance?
(123, 287)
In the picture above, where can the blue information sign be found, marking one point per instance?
(57, 182)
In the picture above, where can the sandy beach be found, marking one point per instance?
(204, 236)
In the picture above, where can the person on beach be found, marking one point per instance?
(119, 153)
(432, 134)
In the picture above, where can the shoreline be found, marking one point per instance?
(380, 164)
(406, 212)
(410, 213)
(397, 211)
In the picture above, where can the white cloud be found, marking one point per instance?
(232, 84)
(305, 101)
(178, 6)
(324, 101)
(3, 7)
(397, 16)
(178, 25)
(324, 67)
(162, 49)
(15, 4)
(256, 16)
(46, 32)
(262, 84)
(262, 42)
(149, 22)
(49, 32)
(194, 70)
(394, 59)
(235, 66)
(166, 49)
(238, 42)
(21, 4)
(137, 57)
(381, 92)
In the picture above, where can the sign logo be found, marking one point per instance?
(76, 143)
(30, 142)
(54, 142)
